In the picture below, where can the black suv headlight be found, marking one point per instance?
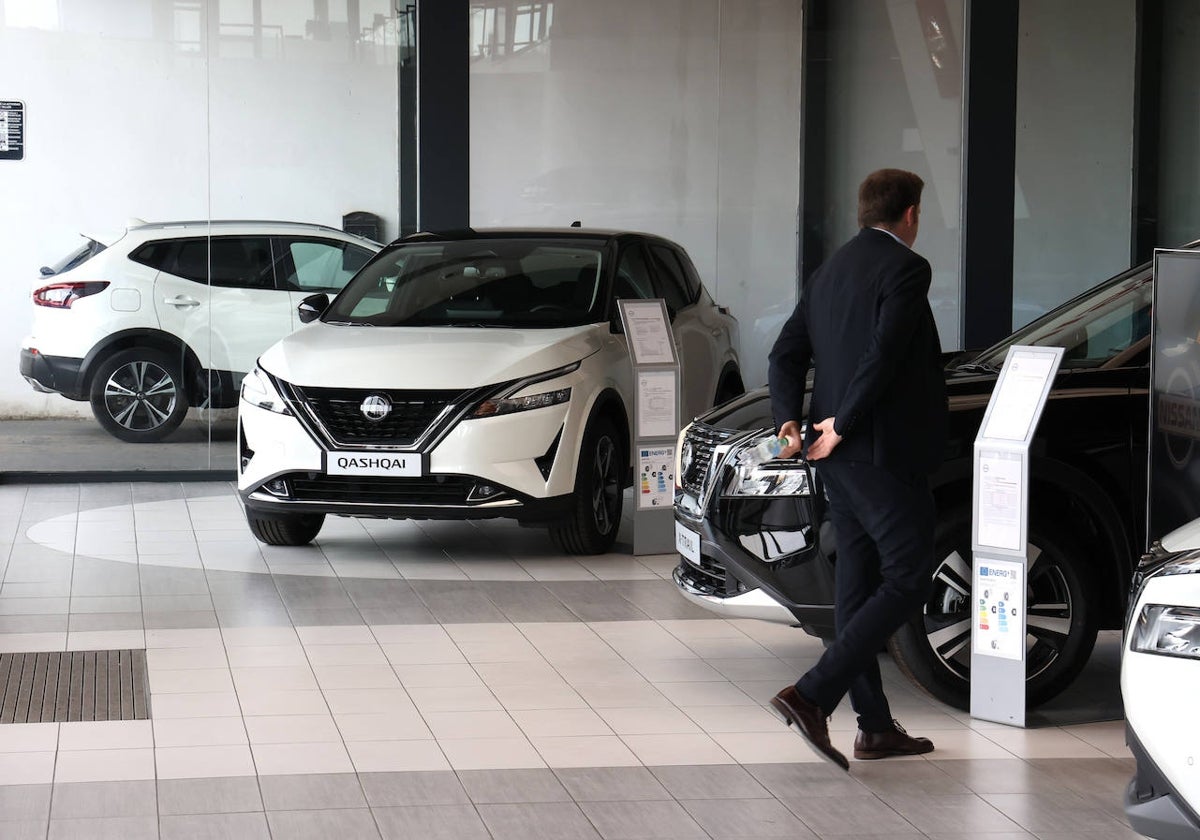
(768, 479)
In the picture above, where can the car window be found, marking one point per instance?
(1101, 326)
(242, 262)
(691, 276)
(315, 265)
(486, 282)
(633, 277)
(672, 286)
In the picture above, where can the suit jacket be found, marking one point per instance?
(864, 325)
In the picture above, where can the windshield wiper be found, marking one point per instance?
(977, 367)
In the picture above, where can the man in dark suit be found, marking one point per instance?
(877, 419)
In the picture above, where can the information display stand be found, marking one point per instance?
(1000, 533)
(656, 423)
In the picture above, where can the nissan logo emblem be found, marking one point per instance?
(376, 407)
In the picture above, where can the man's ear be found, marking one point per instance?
(912, 214)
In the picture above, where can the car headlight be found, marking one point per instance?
(259, 390)
(508, 405)
(774, 478)
(1171, 631)
(502, 400)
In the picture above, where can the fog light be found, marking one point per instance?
(276, 487)
(483, 492)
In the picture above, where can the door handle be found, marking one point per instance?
(180, 300)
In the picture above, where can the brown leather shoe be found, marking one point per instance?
(872, 745)
(810, 723)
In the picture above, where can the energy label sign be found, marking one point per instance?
(999, 600)
(12, 130)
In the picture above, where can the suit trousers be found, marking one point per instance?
(882, 573)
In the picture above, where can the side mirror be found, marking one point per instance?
(311, 307)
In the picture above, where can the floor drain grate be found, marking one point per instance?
(74, 685)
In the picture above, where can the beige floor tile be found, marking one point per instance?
(560, 722)
(356, 676)
(32, 642)
(454, 699)
(624, 696)
(677, 670)
(952, 744)
(268, 656)
(218, 704)
(437, 675)
(433, 652)
(106, 735)
(491, 753)
(26, 768)
(301, 758)
(586, 751)
(258, 637)
(104, 765)
(705, 694)
(366, 701)
(396, 756)
(652, 721)
(653, 750)
(1042, 743)
(364, 654)
(190, 681)
(178, 659)
(263, 680)
(729, 719)
(336, 635)
(399, 725)
(778, 747)
(291, 729)
(204, 762)
(28, 737)
(528, 697)
(257, 702)
(199, 732)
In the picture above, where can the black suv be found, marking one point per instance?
(766, 533)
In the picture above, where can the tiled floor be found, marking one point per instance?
(458, 680)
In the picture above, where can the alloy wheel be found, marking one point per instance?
(140, 396)
(606, 485)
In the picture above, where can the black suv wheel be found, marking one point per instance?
(934, 648)
(137, 395)
(591, 528)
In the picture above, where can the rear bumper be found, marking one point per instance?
(52, 374)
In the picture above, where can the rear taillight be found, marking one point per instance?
(62, 295)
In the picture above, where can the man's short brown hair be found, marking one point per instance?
(885, 194)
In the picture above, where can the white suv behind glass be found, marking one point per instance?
(171, 315)
(483, 374)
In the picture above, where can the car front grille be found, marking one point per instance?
(709, 578)
(703, 441)
(448, 490)
(412, 412)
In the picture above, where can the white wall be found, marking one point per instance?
(139, 109)
(677, 117)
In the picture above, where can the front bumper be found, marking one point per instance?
(753, 603)
(52, 374)
(1153, 806)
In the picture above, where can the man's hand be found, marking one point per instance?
(825, 442)
(791, 431)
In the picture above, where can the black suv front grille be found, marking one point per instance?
(703, 441)
(709, 578)
(412, 412)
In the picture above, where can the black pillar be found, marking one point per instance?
(1147, 120)
(989, 170)
(443, 115)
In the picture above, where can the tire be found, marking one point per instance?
(933, 649)
(137, 395)
(287, 529)
(595, 518)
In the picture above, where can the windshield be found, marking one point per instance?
(1106, 325)
(540, 283)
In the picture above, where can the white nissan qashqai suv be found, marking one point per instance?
(475, 375)
(165, 316)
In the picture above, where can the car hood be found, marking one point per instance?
(1183, 538)
(327, 355)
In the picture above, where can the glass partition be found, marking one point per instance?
(190, 172)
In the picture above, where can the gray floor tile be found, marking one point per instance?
(999, 775)
(501, 786)
(659, 599)
(965, 835)
(611, 784)
(180, 620)
(397, 615)
(303, 792)
(209, 796)
(595, 601)
(312, 593)
(733, 819)
(1118, 833)
(25, 802)
(109, 828)
(863, 814)
(641, 820)
(215, 827)
(526, 601)
(430, 822)
(84, 622)
(254, 618)
(326, 618)
(156, 580)
(177, 603)
(810, 780)
(381, 593)
(1052, 813)
(716, 781)
(453, 602)
(433, 787)
(344, 824)
(23, 829)
(34, 623)
(103, 799)
(951, 813)
(907, 777)
(538, 821)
